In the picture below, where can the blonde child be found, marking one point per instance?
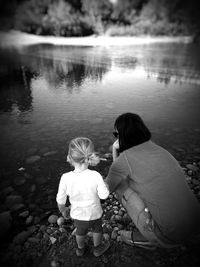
(85, 188)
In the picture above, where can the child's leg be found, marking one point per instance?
(81, 230)
(80, 240)
(97, 239)
(99, 246)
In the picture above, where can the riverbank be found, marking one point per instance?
(33, 233)
(17, 39)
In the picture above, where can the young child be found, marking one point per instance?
(85, 188)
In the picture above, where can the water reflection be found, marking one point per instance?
(49, 94)
(62, 68)
(15, 90)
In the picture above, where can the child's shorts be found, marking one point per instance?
(82, 227)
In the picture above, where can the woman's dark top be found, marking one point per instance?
(157, 177)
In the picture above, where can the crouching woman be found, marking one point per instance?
(150, 184)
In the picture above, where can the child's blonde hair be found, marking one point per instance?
(81, 150)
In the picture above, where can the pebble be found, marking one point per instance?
(55, 264)
(21, 237)
(106, 236)
(53, 219)
(32, 159)
(60, 221)
(19, 181)
(12, 200)
(8, 190)
(114, 235)
(33, 240)
(36, 220)
(24, 214)
(52, 239)
(17, 207)
(192, 167)
(115, 216)
(33, 188)
(50, 153)
(29, 220)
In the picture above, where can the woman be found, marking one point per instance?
(151, 185)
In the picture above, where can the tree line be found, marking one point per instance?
(110, 17)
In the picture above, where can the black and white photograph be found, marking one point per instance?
(99, 133)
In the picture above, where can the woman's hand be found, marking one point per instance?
(116, 144)
(115, 149)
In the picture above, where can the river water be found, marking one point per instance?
(50, 94)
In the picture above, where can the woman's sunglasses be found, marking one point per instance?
(116, 134)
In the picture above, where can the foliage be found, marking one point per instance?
(119, 17)
(97, 14)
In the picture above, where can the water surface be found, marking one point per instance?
(50, 94)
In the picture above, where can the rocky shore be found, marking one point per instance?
(34, 234)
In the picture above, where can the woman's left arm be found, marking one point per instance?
(118, 172)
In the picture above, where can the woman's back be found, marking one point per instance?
(158, 178)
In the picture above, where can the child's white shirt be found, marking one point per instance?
(85, 189)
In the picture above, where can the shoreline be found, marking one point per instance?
(18, 39)
(39, 234)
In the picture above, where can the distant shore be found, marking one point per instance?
(18, 39)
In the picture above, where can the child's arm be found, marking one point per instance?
(65, 211)
(103, 191)
(61, 199)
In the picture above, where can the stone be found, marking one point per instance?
(119, 239)
(90, 234)
(106, 236)
(21, 169)
(8, 190)
(33, 240)
(50, 153)
(32, 159)
(32, 206)
(43, 228)
(60, 221)
(33, 188)
(192, 167)
(29, 220)
(36, 220)
(21, 237)
(32, 229)
(120, 213)
(53, 219)
(118, 218)
(17, 207)
(55, 264)
(12, 200)
(24, 214)
(113, 235)
(52, 239)
(19, 180)
(190, 172)
(195, 182)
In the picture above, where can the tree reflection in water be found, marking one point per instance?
(63, 68)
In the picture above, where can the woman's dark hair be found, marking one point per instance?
(132, 131)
